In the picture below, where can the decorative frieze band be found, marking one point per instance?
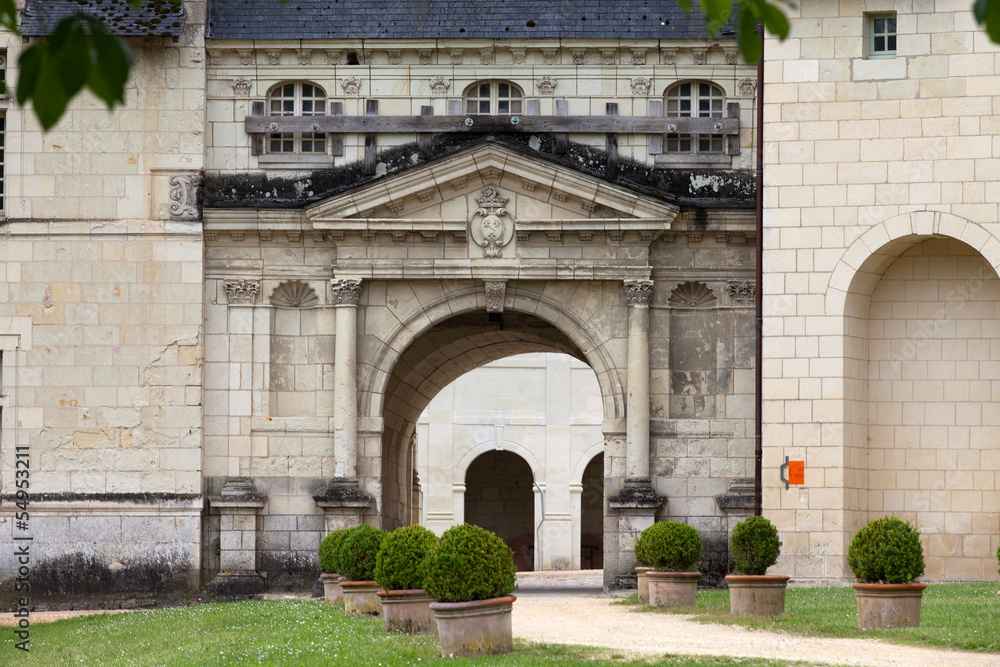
(241, 290)
(346, 291)
(638, 292)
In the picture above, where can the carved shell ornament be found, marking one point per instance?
(692, 295)
(294, 294)
(492, 225)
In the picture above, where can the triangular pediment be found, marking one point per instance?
(540, 192)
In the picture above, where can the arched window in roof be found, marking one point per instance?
(296, 98)
(493, 98)
(694, 99)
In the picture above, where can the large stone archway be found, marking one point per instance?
(321, 358)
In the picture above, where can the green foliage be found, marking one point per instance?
(469, 563)
(886, 550)
(355, 559)
(987, 13)
(79, 53)
(328, 550)
(998, 557)
(719, 12)
(755, 545)
(668, 546)
(399, 560)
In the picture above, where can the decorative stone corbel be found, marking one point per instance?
(496, 292)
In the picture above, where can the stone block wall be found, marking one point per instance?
(865, 160)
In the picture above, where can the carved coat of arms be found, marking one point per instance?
(492, 225)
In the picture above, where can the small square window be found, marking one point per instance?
(881, 35)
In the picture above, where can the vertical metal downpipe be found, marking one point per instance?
(758, 481)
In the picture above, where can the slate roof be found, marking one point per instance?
(451, 19)
(153, 18)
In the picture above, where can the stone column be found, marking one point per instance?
(637, 296)
(345, 374)
(237, 504)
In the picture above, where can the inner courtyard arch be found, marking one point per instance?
(920, 415)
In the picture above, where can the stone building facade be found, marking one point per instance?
(228, 301)
(880, 288)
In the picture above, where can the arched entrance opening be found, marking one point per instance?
(434, 356)
(592, 515)
(921, 416)
(499, 497)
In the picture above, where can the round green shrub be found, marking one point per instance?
(328, 550)
(755, 545)
(397, 565)
(469, 563)
(668, 546)
(886, 550)
(356, 556)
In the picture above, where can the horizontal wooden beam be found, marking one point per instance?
(480, 124)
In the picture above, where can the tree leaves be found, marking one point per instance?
(987, 13)
(79, 53)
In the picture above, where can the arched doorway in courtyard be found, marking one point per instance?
(920, 401)
(500, 497)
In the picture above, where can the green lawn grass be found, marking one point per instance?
(963, 616)
(285, 632)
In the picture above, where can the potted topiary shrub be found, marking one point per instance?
(406, 606)
(356, 561)
(886, 557)
(670, 549)
(328, 567)
(471, 573)
(755, 547)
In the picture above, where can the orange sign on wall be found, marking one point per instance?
(796, 472)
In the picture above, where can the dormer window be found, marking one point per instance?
(695, 99)
(298, 98)
(493, 98)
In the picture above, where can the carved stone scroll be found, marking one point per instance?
(184, 197)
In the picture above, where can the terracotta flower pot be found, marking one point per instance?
(673, 589)
(479, 627)
(361, 598)
(757, 595)
(888, 605)
(408, 611)
(332, 592)
(643, 583)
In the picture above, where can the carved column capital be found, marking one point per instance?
(346, 291)
(638, 292)
(241, 291)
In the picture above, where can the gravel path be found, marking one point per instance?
(571, 610)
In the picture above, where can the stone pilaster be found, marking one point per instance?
(346, 293)
(237, 504)
(637, 296)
